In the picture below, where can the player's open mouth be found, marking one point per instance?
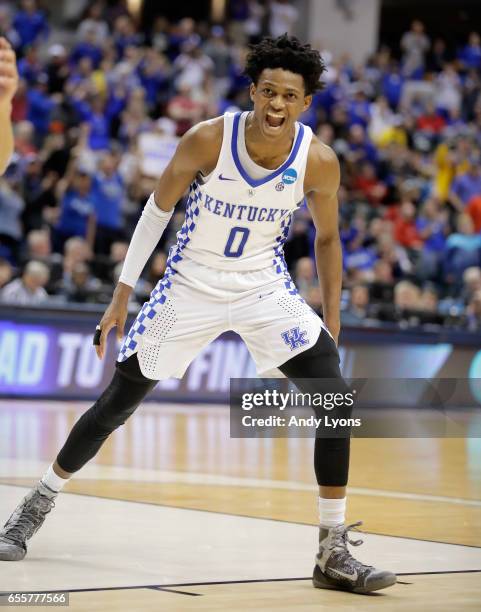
(274, 121)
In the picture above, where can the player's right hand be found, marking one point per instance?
(114, 316)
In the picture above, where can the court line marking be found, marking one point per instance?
(167, 590)
(170, 587)
(249, 516)
(99, 472)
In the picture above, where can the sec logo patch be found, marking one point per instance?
(289, 176)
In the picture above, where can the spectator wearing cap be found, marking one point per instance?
(30, 24)
(28, 290)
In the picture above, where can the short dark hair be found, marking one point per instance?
(288, 53)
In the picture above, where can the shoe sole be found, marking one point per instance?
(323, 583)
(13, 555)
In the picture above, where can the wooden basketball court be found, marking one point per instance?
(173, 514)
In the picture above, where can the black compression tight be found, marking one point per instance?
(331, 455)
(119, 400)
(129, 387)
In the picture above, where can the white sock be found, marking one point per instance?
(52, 481)
(332, 512)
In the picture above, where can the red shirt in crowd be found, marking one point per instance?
(473, 209)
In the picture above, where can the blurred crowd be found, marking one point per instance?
(97, 119)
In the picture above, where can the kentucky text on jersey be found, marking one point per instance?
(242, 212)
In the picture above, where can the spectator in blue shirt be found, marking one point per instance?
(432, 227)
(97, 117)
(361, 149)
(463, 250)
(466, 186)
(108, 195)
(359, 108)
(40, 106)
(470, 55)
(87, 48)
(392, 85)
(30, 24)
(77, 211)
(30, 67)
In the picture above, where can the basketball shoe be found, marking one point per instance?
(26, 520)
(337, 569)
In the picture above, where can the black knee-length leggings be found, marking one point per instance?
(129, 387)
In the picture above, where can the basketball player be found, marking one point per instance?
(8, 87)
(246, 174)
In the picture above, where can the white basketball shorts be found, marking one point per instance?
(193, 305)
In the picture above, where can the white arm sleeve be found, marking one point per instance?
(146, 236)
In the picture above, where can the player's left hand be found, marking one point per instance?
(8, 72)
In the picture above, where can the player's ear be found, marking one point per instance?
(252, 91)
(307, 102)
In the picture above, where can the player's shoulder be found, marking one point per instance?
(205, 133)
(322, 165)
(201, 145)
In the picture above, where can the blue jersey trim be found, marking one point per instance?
(253, 182)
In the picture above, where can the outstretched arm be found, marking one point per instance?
(8, 87)
(321, 186)
(197, 151)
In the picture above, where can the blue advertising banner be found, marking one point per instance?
(49, 354)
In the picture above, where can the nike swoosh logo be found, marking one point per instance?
(224, 178)
(352, 576)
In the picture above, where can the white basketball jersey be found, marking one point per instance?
(235, 221)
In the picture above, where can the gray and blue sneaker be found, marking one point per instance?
(336, 568)
(26, 520)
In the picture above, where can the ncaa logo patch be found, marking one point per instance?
(289, 176)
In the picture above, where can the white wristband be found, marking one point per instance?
(145, 238)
